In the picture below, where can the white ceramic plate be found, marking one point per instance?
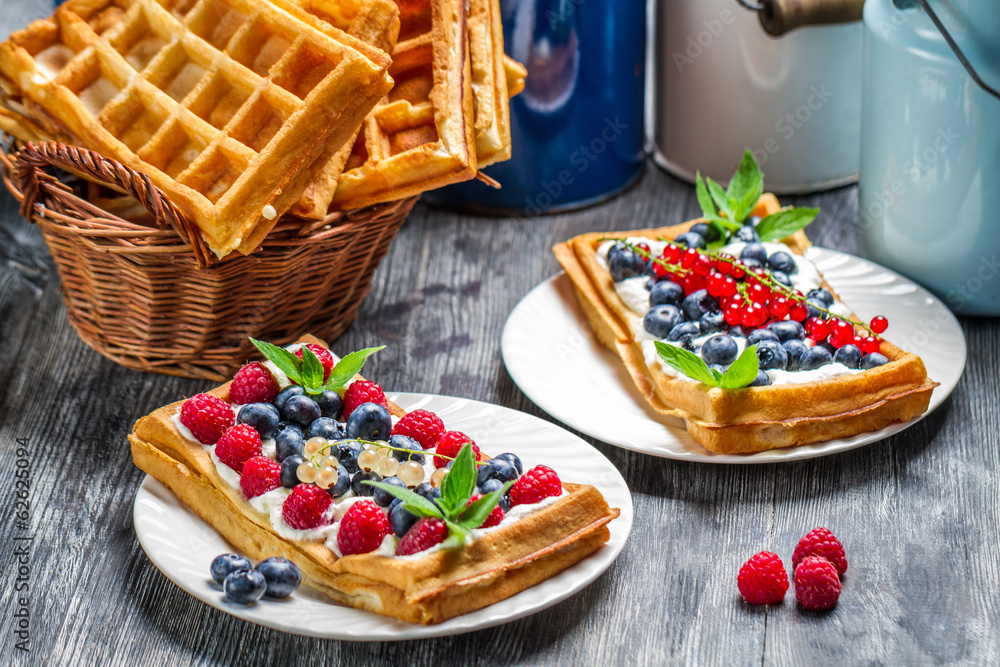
(559, 364)
(183, 546)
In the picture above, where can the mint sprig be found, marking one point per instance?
(785, 223)
(453, 506)
(307, 372)
(740, 373)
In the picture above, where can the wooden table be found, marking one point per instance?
(917, 513)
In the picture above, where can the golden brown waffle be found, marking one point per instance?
(223, 103)
(489, 83)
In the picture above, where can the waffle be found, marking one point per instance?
(420, 589)
(489, 83)
(221, 102)
(753, 419)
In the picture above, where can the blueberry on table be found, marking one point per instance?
(263, 417)
(496, 469)
(754, 251)
(712, 322)
(287, 393)
(815, 357)
(787, 330)
(302, 410)
(873, 360)
(762, 380)
(794, 348)
(245, 586)
(330, 404)
(226, 564)
(369, 421)
(782, 261)
(513, 460)
(281, 575)
(849, 355)
(691, 240)
(719, 349)
(290, 470)
(383, 498)
(661, 319)
(666, 291)
(325, 427)
(821, 295)
(698, 303)
(760, 335)
(414, 451)
(707, 231)
(771, 354)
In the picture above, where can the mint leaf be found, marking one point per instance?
(785, 223)
(745, 187)
(704, 199)
(312, 372)
(412, 501)
(743, 371)
(289, 364)
(688, 363)
(349, 366)
(458, 485)
(723, 222)
(720, 198)
(477, 512)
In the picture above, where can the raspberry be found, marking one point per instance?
(424, 534)
(450, 444)
(363, 391)
(821, 542)
(306, 506)
(260, 475)
(817, 586)
(253, 384)
(423, 426)
(207, 417)
(495, 516)
(324, 357)
(534, 486)
(238, 445)
(762, 579)
(362, 529)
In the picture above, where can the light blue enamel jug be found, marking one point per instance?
(929, 197)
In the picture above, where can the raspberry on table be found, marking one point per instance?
(324, 356)
(260, 475)
(817, 585)
(253, 383)
(425, 533)
(449, 444)
(363, 391)
(821, 542)
(763, 579)
(422, 425)
(306, 506)
(207, 417)
(363, 528)
(534, 486)
(238, 445)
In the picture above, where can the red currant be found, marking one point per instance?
(841, 333)
(702, 265)
(879, 324)
(754, 315)
(714, 283)
(779, 307)
(689, 257)
(644, 247)
(756, 293)
(660, 270)
(817, 328)
(799, 312)
(733, 314)
(870, 344)
(672, 253)
(738, 270)
(692, 282)
(722, 266)
(729, 287)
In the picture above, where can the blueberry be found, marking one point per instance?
(513, 460)
(424, 489)
(226, 564)
(760, 335)
(719, 349)
(787, 330)
(289, 470)
(752, 220)
(754, 251)
(360, 489)
(343, 483)
(849, 355)
(661, 319)
(762, 380)
(490, 485)
(384, 498)
(325, 427)
(281, 575)
(794, 348)
(822, 296)
(287, 393)
(262, 416)
(330, 404)
(813, 307)
(416, 452)
(782, 261)
(747, 234)
(401, 519)
(684, 333)
(369, 421)
(814, 358)
(752, 263)
(347, 454)
(737, 332)
(771, 355)
(698, 303)
(691, 240)
(873, 360)
(623, 263)
(712, 322)
(718, 367)
(245, 586)
(666, 291)
(289, 441)
(709, 232)
(496, 469)
(780, 277)
(301, 410)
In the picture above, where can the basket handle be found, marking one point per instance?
(30, 160)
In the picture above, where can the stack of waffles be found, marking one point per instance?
(244, 110)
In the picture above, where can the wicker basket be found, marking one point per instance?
(143, 296)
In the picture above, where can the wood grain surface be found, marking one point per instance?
(917, 513)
